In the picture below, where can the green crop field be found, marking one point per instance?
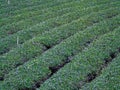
(59, 44)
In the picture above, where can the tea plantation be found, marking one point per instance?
(59, 44)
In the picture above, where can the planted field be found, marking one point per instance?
(59, 45)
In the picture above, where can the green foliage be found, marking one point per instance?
(10, 42)
(109, 78)
(58, 54)
(69, 77)
(58, 44)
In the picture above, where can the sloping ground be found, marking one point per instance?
(59, 45)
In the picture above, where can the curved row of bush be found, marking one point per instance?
(19, 6)
(13, 26)
(109, 78)
(20, 22)
(36, 12)
(37, 45)
(28, 74)
(10, 42)
(73, 75)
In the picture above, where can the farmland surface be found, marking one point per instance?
(59, 44)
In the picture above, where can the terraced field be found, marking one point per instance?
(59, 44)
